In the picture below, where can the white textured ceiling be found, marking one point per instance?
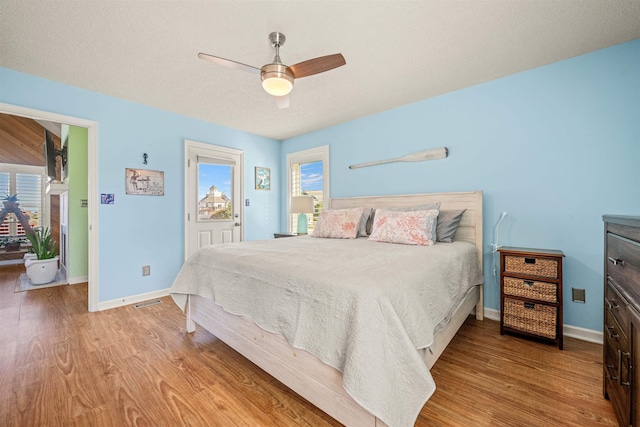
(397, 52)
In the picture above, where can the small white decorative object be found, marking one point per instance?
(41, 271)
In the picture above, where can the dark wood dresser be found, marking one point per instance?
(621, 355)
(531, 293)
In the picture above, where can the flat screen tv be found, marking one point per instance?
(49, 148)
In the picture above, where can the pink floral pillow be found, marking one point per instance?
(408, 228)
(338, 223)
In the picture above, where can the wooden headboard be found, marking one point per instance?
(470, 229)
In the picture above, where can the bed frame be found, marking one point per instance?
(321, 384)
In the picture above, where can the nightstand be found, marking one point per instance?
(279, 235)
(531, 293)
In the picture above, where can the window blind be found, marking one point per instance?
(27, 182)
(305, 181)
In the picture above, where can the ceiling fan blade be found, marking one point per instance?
(317, 65)
(282, 101)
(229, 63)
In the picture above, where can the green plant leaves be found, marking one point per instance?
(41, 243)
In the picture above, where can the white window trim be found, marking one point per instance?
(45, 214)
(308, 156)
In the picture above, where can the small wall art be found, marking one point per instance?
(263, 178)
(107, 199)
(144, 182)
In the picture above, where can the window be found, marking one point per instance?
(215, 188)
(308, 174)
(28, 183)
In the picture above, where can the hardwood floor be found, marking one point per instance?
(63, 366)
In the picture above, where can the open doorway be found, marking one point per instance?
(23, 174)
(89, 128)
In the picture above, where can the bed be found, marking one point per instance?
(311, 362)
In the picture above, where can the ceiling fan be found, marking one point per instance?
(277, 78)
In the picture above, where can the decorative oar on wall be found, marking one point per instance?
(418, 156)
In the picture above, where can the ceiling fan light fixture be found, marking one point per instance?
(277, 80)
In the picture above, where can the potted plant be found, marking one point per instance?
(44, 267)
(11, 243)
(10, 201)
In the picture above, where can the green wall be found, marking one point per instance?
(77, 167)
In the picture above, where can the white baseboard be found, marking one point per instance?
(133, 299)
(583, 334)
(12, 262)
(492, 314)
(76, 280)
(568, 330)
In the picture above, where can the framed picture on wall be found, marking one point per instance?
(263, 178)
(144, 182)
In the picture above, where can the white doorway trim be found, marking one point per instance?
(188, 144)
(92, 128)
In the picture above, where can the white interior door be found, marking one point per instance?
(214, 194)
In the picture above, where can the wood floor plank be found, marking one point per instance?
(63, 366)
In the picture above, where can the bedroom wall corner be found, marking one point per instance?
(145, 230)
(556, 147)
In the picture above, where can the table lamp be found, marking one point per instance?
(302, 205)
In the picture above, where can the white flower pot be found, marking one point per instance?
(29, 256)
(41, 271)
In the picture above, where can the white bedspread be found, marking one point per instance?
(360, 306)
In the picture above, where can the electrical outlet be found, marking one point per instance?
(578, 295)
(146, 270)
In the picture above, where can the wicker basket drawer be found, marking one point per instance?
(536, 319)
(541, 267)
(531, 289)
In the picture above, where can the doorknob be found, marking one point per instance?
(237, 224)
(236, 215)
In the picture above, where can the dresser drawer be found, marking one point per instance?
(621, 327)
(615, 376)
(623, 260)
(614, 333)
(617, 306)
(533, 318)
(611, 362)
(532, 266)
(531, 289)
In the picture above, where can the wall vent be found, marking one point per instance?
(147, 303)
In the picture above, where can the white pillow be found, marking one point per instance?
(338, 223)
(408, 228)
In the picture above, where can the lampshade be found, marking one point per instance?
(301, 204)
(277, 80)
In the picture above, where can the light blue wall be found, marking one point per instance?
(556, 147)
(146, 230)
